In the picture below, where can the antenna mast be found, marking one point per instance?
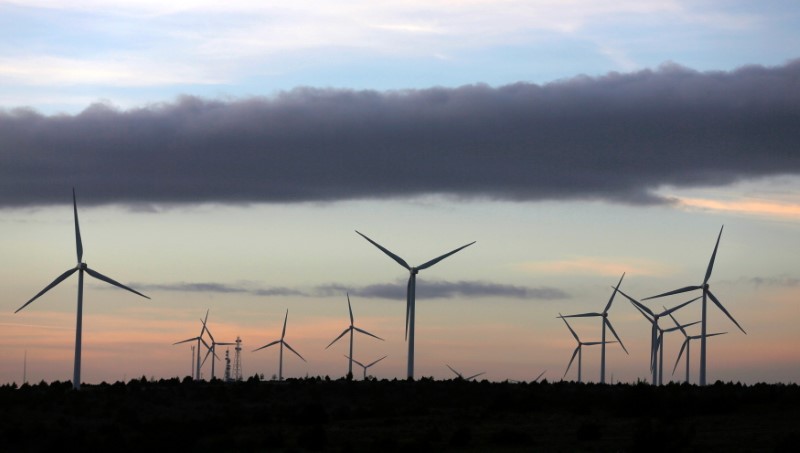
(237, 360)
(227, 365)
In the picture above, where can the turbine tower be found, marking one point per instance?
(605, 322)
(81, 268)
(282, 343)
(410, 293)
(707, 294)
(351, 329)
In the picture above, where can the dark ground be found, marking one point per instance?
(321, 415)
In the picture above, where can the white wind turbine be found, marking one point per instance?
(198, 339)
(364, 366)
(706, 294)
(282, 343)
(351, 329)
(81, 267)
(410, 293)
(606, 322)
(687, 344)
(656, 333)
(213, 349)
(461, 376)
(579, 349)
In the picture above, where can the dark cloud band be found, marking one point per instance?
(616, 138)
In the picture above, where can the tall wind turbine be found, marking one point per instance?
(364, 366)
(461, 376)
(656, 332)
(351, 329)
(198, 339)
(606, 322)
(410, 293)
(687, 343)
(282, 343)
(578, 350)
(706, 294)
(81, 267)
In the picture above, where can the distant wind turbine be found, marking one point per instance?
(198, 339)
(579, 349)
(606, 322)
(687, 343)
(706, 294)
(213, 349)
(410, 293)
(351, 329)
(364, 366)
(282, 343)
(461, 376)
(81, 267)
(656, 332)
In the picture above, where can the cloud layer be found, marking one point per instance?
(427, 290)
(615, 138)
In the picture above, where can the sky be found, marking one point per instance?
(224, 155)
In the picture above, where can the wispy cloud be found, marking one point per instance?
(747, 206)
(428, 289)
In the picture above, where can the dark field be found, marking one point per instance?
(425, 415)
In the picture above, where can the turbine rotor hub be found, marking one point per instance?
(414, 271)
(81, 266)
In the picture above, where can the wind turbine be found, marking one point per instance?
(461, 376)
(351, 329)
(410, 293)
(578, 350)
(687, 343)
(81, 267)
(656, 332)
(364, 366)
(213, 349)
(282, 343)
(706, 294)
(199, 339)
(606, 322)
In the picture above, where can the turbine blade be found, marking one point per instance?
(677, 307)
(204, 321)
(267, 345)
(570, 328)
(350, 307)
(185, 341)
(680, 354)
(608, 323)
(540, 376)
(574, 353)
(373, 363)
(337, 338)
(595, 343)
(78, 242)
(715, 334)
(713, 257)
(367, 333)
(678, 324)
(391, 255)
(47, 288)
(285, 318)
(642, 308)
(475, 375)
(646, 316)
(355, 361)
(583, 315)
(205, 357)
(454, 371)
(292, 349)
(719, 305)
(102, 277)
(675, 291)
(436, 260)
(611, 299)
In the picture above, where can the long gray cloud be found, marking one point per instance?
(617, 137)
(427, 290)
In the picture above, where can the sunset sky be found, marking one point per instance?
(224, 154)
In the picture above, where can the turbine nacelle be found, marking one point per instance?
(414, 271)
